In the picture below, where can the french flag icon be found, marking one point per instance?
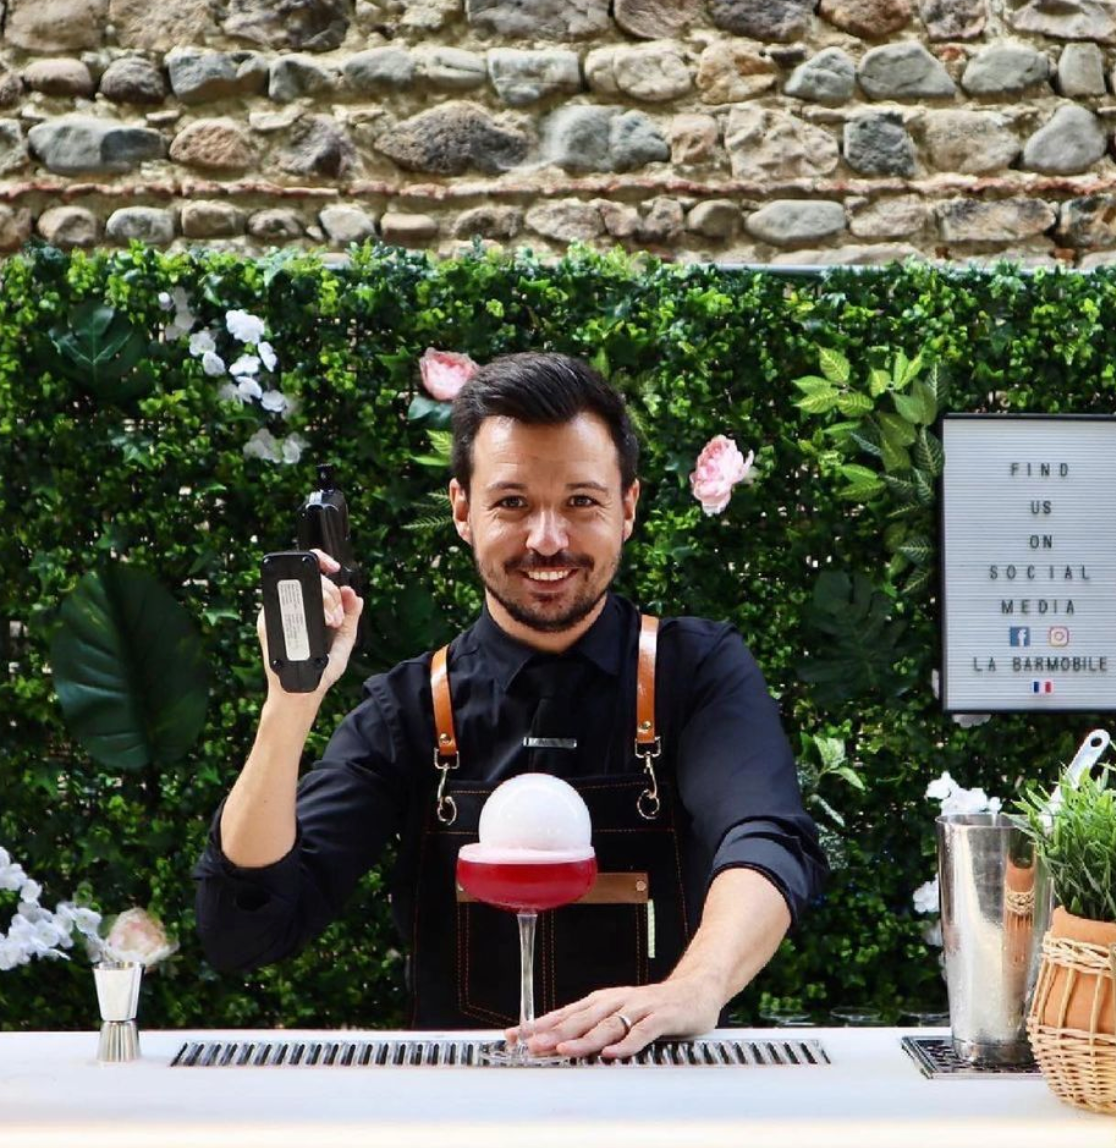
(1042, 686)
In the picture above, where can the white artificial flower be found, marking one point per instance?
(12, 877)
(31, 891)
(202, 342)
(274, 401)
(263, 445)
(970, 721)
(165, 301)
(941, 789)
(936, 684)
(245, 365)
(230, 394)
(926, 897)
(11, 954)
(267, 352)
(932, 933)
(293, 446)
(213, 364)
(248, 389)
(245, 327)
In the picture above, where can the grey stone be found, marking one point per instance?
(491, 222)
(656, 19)
(295, 76)
(635, 140)
(693, 139)
(428, 15)
(59, 78)
(1064, 19)
(212, 219)
(267, 122)
(969, 142)
(869, 19)
(11, 86)
(565, 220)
(181, 22)
(1005, 67)
(1070, 142)
(765, 144)
(576, 138)
(994, 221)
(15, 227)
(780, 20)
(827, 78)
(891, 218)
(344, 223)
(304, 25)
(275, 224)
(147, 224)
(452, 68)
(600, 71)
(69, 227)
(876, 143)
(1089, 221)
(904, 71)
(651, 72)
(71, 145)
(253, 72)
(714, 219)
(786, 222)
(13, 147)
(730, 72)
(407, 230)
(319, 147)
(452, 138)
(55, 25)
(201, 77)
(524, 77)
(539, 19)
(214, 145)
(1097, 259)
(953, 19)
(1081, 70)
(379, 69)
(133, 80)
(663, 221)
(849, 255)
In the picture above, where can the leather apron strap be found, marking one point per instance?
(647, 743)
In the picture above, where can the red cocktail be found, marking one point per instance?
(501, 879)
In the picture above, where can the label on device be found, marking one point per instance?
(295, 635)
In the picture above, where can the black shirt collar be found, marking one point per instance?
(602, 644)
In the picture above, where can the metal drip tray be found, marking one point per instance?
(936, 1059)
(446, 1052)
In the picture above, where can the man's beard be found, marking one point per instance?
(525, 615)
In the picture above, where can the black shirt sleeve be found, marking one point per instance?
(737, 777)
(348, 807)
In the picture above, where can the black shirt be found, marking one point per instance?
(723, 748)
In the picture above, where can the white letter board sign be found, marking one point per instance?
(1028, 563)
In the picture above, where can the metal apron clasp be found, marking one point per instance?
(445, 808)
(648, 803)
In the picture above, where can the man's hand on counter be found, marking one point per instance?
(599, 1022)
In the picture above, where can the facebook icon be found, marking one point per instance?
(1020, 635)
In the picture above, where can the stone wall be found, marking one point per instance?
(783, 131)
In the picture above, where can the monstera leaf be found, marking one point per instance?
(129, 669)
(99, 349)
(858, 645)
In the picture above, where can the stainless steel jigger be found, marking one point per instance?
(118, 986)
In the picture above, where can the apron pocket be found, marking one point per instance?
(594, 946)
(488, 964)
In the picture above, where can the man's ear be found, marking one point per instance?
(630, 499)
(459, 502)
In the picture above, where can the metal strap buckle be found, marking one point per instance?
(648, 803)
(445, 808)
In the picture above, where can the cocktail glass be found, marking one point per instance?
(526, 888)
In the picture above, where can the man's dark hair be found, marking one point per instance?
(539, 390)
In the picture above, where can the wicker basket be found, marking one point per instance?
(1072, 1020)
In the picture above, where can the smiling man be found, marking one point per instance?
(706, 855)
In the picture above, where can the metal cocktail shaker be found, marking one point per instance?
(996, 900)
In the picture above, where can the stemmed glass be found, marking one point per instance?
(524, 887)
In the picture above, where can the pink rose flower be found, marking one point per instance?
(720, 466)
(137, 936)
(444, 373)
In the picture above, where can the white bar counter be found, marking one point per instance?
(54, 1093)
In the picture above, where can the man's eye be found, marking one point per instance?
(512, 502)
(583, 500)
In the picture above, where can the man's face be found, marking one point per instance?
(546, 518)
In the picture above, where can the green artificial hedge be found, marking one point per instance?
(123, 477)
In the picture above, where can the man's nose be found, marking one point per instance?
(548, 533)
